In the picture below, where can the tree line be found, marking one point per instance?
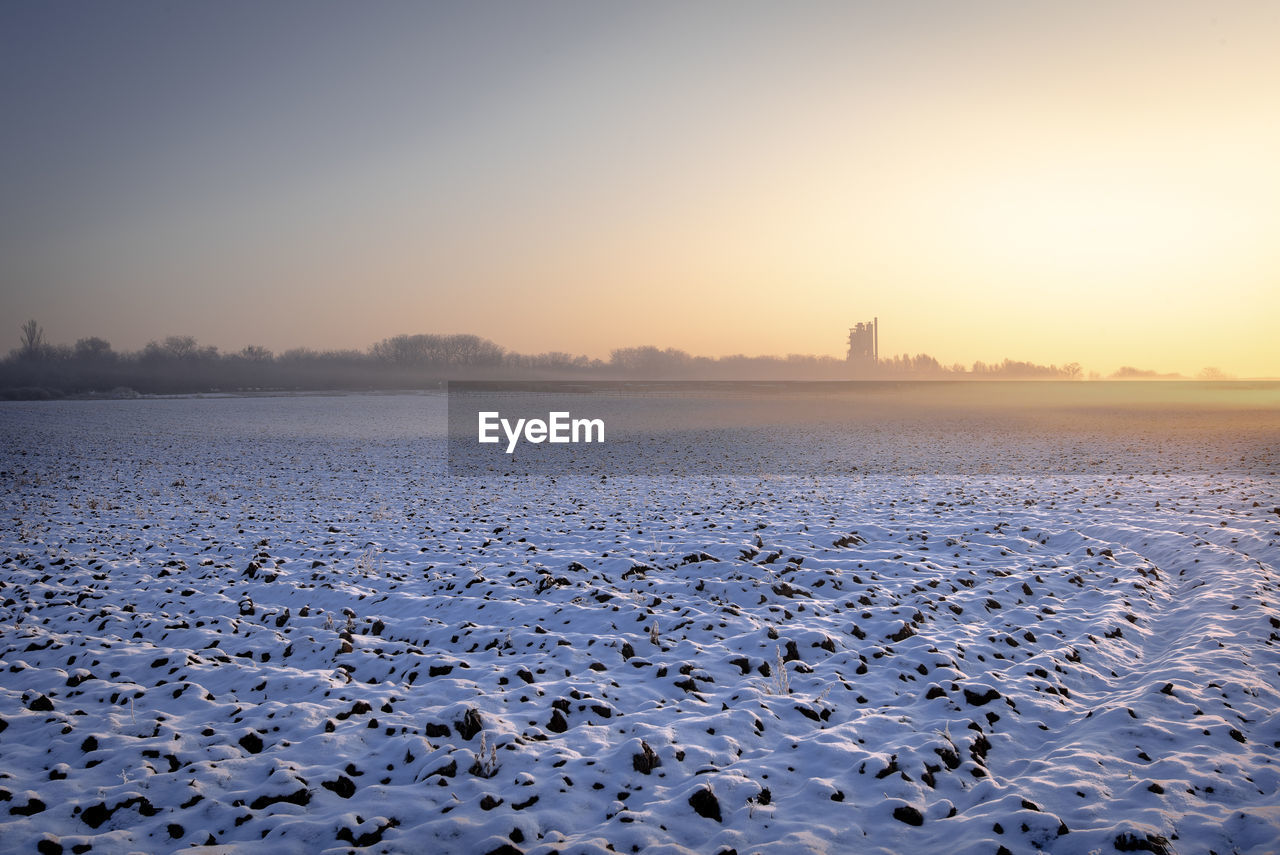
(180, 364)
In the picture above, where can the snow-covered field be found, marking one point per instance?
(276, 625)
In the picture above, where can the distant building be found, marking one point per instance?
(864, 343)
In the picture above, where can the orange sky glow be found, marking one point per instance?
(1083, 182)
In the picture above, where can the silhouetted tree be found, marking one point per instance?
(94, 350)
(650, 361)
(255, 353)
(1128, 372)
(180, 364)
(33, 344)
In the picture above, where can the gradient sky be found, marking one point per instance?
(1095, 182)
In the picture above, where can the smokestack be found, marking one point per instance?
(875, 346)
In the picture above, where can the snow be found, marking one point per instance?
(276, 625)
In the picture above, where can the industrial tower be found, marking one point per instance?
(864, 343)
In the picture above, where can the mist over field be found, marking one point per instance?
(789, 428)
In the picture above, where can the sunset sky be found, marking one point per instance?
(1096, 182)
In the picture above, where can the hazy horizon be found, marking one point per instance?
(1068, 183)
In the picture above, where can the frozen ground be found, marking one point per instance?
(276, 626)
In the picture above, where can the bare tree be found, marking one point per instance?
(255, 353)
(33, 344)
(181, 346)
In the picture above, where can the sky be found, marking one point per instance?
(1091, 182)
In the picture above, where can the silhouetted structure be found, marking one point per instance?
(180, 365)
(864, 343)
